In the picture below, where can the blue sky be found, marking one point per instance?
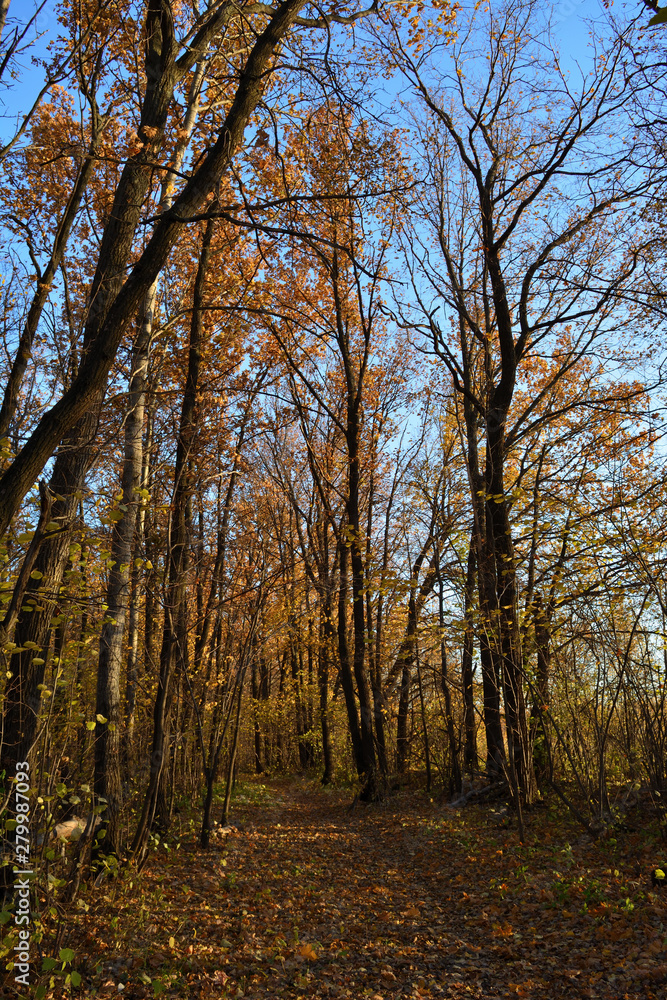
(16, 96)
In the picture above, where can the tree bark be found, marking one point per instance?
(347, 682)
(323, 665)
(175, 587)
(449, 717)
(73, 420)
(470, 753)
(374, 664)
(107, 782)
(115, 303)
(368, 757)
(45, 282)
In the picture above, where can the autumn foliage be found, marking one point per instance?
(331, 447)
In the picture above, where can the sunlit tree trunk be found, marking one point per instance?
(174, 629)
(347, 682)
(470, 752)
(112, 657)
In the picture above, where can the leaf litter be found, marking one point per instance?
(306, 898)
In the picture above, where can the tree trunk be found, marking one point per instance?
(402, 741)
(132, 668)
(542, 684)
(38, 606)
(470, 753)
(518, 737)
(175, 595)
(449, 718)
(73, 419)
(256, 686)
(231, 771)
(374, 665)
(107, 782)
(406, 653)
(323, 660)
(482, 544)
(115, 301)
(344, 656)
(422, 705)
(24, 351)
(367, 743)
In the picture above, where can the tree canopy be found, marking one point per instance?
(332, 415)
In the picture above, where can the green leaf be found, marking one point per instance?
(40, 993)
(66, 955)
(76, 979)
(48, 964)
(4, 917)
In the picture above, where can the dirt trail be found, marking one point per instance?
(307, 899)
(324, 902)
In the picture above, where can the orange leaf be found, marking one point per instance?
(308, 952)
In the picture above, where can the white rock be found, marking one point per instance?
(74, 828)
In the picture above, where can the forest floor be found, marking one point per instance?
(306, 898)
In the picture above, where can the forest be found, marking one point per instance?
(333, 498)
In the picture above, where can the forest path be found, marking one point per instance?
(395, 901)
(410, 898)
